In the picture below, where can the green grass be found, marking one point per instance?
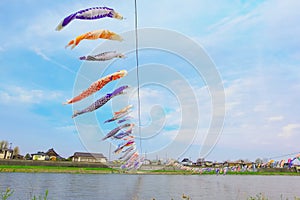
(261, 196)
(44, 197)
(94, 170)
(6, 194)
(183, 172)
(265, 173)
(33, 169)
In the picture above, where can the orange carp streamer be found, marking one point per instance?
(123, 110)
(94, 35)
(97, 85)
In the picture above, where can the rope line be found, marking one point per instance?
(285, 155)
(137, 70)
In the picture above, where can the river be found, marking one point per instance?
(116, 186)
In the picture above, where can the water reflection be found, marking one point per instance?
(114, 186)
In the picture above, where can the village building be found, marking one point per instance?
(6, 153)
(147, 162)
(49, 155)
(18, 157)
(186, 162)
(200, 162)
(39, 156)
(53, 155)
(88, 157)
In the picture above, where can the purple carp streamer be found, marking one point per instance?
(89, 14)
(116, 130)
(121, 147)
(97, 85)
(127, 151)
(100, 102)
(103, 56)
(122, 135)
(125, 119)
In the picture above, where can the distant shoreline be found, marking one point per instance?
(30, 166)
(98, 170)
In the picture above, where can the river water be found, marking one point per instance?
(116, 186)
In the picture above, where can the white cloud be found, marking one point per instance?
(255, 37)
(252, 119)
(275, 118)
(261, 107)
(281, 18)
(229, 29)
(229, 23)
(66, 129)
(17, 94)
(163, 107)
(289, 130)
(40, 53)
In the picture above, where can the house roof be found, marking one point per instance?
(39, 153)
(89, 155)
(51, 152)
(186, 160)
(5, 149)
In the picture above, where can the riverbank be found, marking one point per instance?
(54, 169)
(30, 166)
(8, 162)
(99, 170)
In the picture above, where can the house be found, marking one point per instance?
(200, 162)
(88, 157)
(40, 156)
(18, 157)
(186, 162)
(208, 164)
(217, 165)
(49, 155)
(6, 153)
(238, 163)
(147, 162)
(53, 155)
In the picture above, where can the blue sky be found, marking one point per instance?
(253, 44)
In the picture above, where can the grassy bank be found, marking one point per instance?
(183, 172)
(98, 170)
(54, 169)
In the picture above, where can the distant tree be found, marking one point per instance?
(27, 156)
(3, 144)
(258, 161)
(67, 159)
(16, 151)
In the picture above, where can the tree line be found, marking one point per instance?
(5, 145)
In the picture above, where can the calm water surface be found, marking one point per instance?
(115, 186)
